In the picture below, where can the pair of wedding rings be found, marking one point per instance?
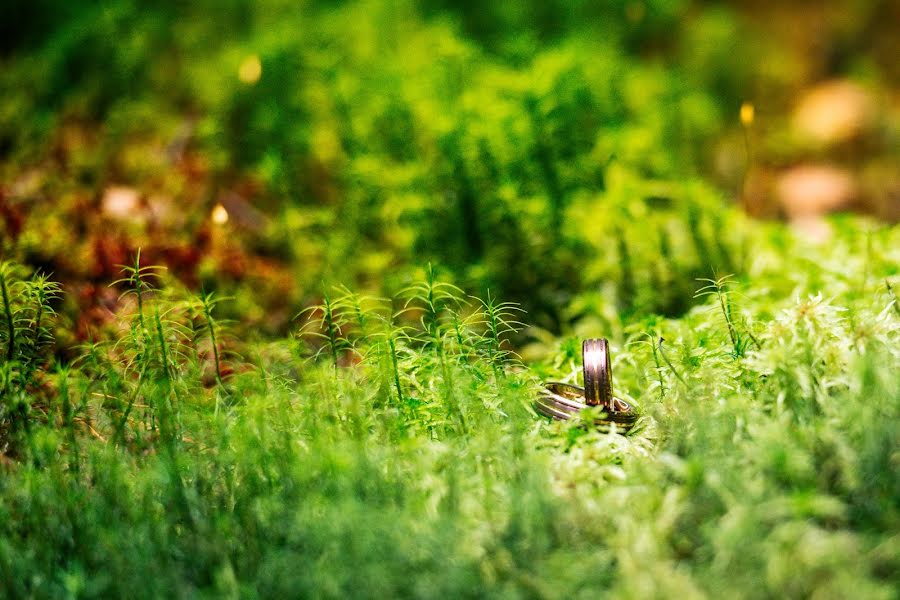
(563, 401)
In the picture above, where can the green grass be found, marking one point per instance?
(389, 448)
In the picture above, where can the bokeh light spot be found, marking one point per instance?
(219, 215)
(250, 70)
(748, 111)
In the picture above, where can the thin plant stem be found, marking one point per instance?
(10, 324)
(669, 363)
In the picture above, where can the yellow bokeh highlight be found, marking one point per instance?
(250, 70)
(747, 113)
(219, 215)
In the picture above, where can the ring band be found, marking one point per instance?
(597, 373)
(563, 401)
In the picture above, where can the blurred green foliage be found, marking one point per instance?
(527, 154)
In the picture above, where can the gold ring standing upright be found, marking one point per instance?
(564, 401)
(597, 373)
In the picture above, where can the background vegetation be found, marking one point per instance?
(280, 281)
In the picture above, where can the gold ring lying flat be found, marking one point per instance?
(563, 401)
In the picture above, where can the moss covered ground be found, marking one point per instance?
(281, 282)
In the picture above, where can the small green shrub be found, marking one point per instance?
(28, 315)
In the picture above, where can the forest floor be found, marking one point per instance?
(280, 288)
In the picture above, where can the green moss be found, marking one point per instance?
(316, 480)
(492, 184)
